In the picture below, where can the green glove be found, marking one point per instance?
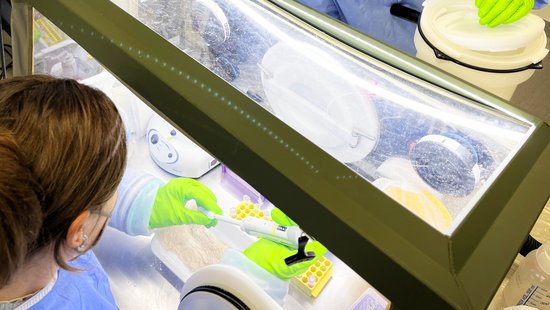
(169, 208)
(280, 218)
(495, 12)
(271, 255)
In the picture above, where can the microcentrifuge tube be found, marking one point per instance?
(311, 281)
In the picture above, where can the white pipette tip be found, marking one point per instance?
(209, 214)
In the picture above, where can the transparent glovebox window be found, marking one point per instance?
(58, 55)
(432, 151)
(151, 271)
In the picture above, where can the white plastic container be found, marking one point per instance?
(495, 59)
(530, 284)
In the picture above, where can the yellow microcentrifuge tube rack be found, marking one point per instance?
(315, 278)
(247, 208)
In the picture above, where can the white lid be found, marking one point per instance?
(232, 280)
(458, 22)
(453, 27)
(311, 92)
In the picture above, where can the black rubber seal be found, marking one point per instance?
(530, 244)
(234, 300)
(440, 55)
(414, 16)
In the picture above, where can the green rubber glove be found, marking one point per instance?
(280, 218)
(495, 12)
(271, 255)
(169, 207)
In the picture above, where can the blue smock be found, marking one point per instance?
(373, 17)
(85, 289)
(89, 288)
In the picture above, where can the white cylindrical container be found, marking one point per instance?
(530, 284)
(498, 59)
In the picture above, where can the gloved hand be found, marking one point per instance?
(169, 207)
(495, 12)
(280, 218)
(271, 255)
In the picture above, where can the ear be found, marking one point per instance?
(75, 234)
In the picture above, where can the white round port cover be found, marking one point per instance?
(210, 298)
(314, 94)
(223, 287)
(457, 21)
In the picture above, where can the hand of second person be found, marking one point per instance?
(496, 12)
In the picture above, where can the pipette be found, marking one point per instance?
(287, 235)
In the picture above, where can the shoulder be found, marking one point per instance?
(85, 289)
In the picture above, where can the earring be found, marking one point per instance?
(80, 248)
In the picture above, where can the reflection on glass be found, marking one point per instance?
(150, 271)
(58, 55)
(394, 131)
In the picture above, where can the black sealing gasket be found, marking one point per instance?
(440, 55)
(234, 300)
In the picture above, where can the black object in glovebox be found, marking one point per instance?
(5, 15)
(5, 26)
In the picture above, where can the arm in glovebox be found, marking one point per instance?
(145, 203)
(136, 197)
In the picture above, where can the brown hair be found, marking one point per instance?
(20, 212)
(75, 141)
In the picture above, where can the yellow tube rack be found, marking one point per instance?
(315, 278)
(248, 208)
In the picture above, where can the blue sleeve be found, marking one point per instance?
(136, 197)
(373, 17)
(328, 7)
(87, 288)
(540, 4)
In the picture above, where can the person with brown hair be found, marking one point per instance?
(70, 143)
(20, 212)
(71, 140)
